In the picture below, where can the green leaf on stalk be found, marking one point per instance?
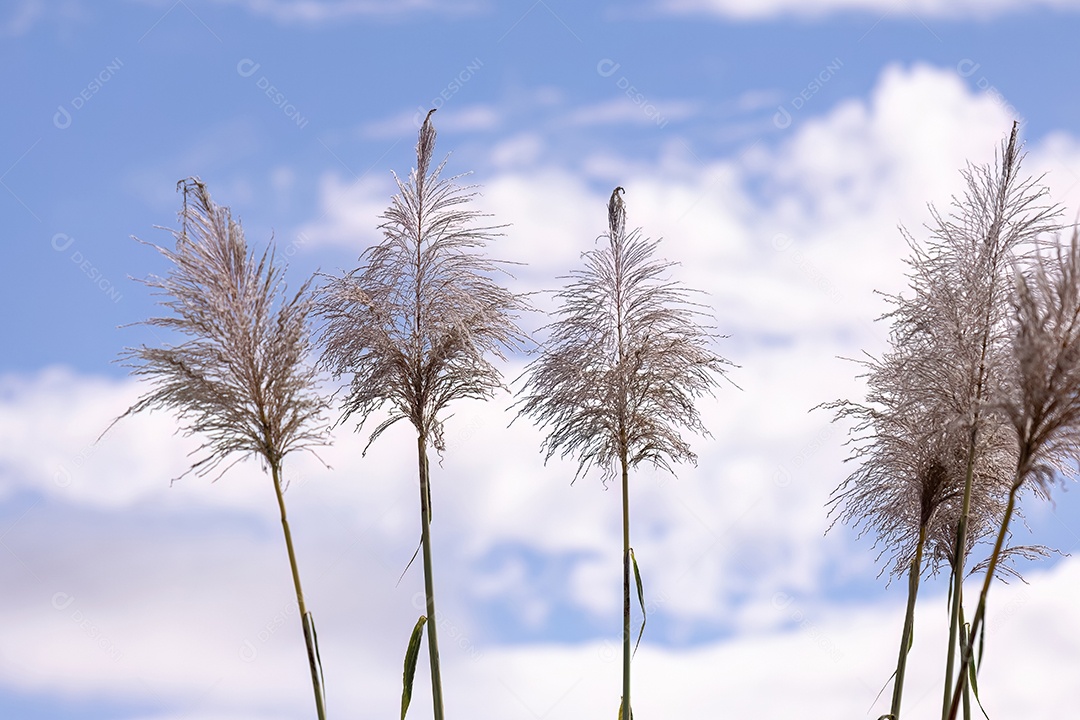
(973, 672)
(975, 689)
(409, 673)
(312, 640)
(982, 640)
(640, 598)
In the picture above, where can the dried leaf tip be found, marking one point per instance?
(616, 214)
(425, 146)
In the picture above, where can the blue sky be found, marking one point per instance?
(774, 146)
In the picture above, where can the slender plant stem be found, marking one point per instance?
(967, 687)
(909, 624)
(1008, 166)
(309, 639)
(627, 713)
(429, 590)
(957, 589)
(958, 565)
(980, 611)
(617, 260)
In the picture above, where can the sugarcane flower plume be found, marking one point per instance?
(240, 377)
(625, 360)
(418, 324)
(1044, 403)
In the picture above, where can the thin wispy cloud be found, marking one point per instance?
(741, 10)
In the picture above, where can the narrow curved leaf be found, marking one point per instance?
(973, 669)
(409, 673)
(312, 640)
(415, 553)
(640, 598)
(878, 696)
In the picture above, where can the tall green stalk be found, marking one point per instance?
(305, 618)
(1042, 402)
(955, 608)
(622, 385)
(239, 379)
(418, 326)
(1007, 203)
(909, 624)
(620, 373)
(429, 588)
(627, 713)
(940, 383)
(967, 652)
(963, 642)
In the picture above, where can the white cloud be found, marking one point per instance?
(349, 211)
(471, 118)
(523, 149)
(635, 109)
(789, 240)
(767, 9)
(1057, 158)
(209, 629)
(401, 125)
(468, 118)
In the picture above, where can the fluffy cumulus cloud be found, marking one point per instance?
(179, 596)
